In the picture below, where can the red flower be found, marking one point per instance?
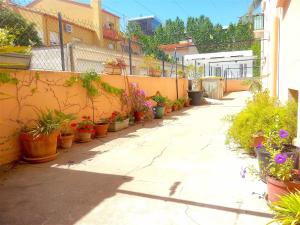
(73, 125)
(89, 117)
(84, 117)
(89, 127)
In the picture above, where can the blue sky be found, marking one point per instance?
(219, 11)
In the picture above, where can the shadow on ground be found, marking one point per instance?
(54, 196)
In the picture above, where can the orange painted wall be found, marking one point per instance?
(235, 85)
(40, 90)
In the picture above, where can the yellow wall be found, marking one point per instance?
(37, 86)
(72, 11)
(85, 35)
(85, 16)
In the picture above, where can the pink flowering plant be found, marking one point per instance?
(138, 99)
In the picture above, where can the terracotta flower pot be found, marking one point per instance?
(112, 70)
(41, 149)
(139, 116)
(187, 103)
(278, 188)
(66, 141)
(84, 137)
(101, 130)
(175, 108)
(168, 110)
(257, 139)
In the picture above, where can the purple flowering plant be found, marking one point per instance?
(281, 165)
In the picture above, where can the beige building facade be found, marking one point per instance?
(280, 50)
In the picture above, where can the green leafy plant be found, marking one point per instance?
(181, 102)
(160, 100)
(287, 209)
(262, 113)
(169, 103)
(66, 127)
(48, 121)
(6, 78)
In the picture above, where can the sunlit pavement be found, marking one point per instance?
(176, 171)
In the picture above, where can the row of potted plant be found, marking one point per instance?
(41, 137)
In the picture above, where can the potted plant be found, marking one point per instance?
(168, 107)
(159, 109)
(11, 56)
(181, 102)
(138, 102)
(67, 131)
(39, 140)
(181, 74)
(85, 129)
(175, 105)
(281, 176)
(114, 67)
(131, 119)
(118, 122)
(187, 101)
(286, 210)
(275, 140)
(155, 71)
(101, 128)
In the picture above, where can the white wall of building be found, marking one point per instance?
(289, 47)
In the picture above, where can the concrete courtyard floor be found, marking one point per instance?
(176, 171)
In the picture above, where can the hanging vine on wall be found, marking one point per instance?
(91, 81)
(6, 78)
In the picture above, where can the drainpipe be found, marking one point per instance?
(274, 56)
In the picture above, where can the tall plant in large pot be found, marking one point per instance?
(39, 139)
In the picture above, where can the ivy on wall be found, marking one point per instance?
(33, 83)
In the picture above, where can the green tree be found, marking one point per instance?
(24, 32)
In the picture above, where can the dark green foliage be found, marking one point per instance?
(24, 32)
(206, 36)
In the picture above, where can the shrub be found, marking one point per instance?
(25, 33)
(262, 113)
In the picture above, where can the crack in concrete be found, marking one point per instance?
(149, 164)
(187, 214)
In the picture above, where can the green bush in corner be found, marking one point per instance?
(262, 113)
